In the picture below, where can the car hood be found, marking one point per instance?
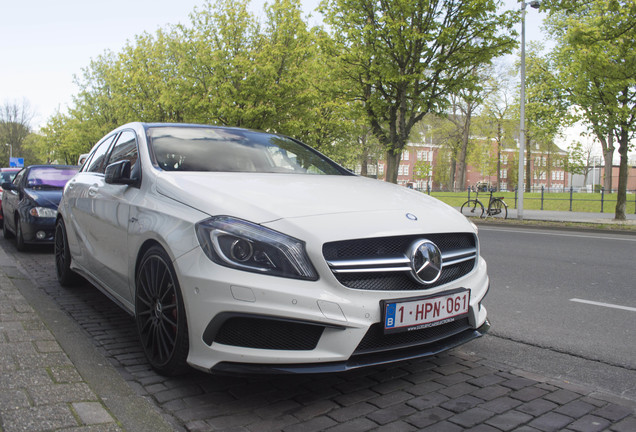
(45, 198)
(265, 198)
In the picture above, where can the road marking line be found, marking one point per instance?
(609, 305)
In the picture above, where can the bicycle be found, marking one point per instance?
(497, 207)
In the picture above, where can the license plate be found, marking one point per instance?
(418, 313)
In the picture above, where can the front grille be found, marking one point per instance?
(376, 341)
(382, 264)
(264, 333)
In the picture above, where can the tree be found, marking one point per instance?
(404, 58)
(499, 120)
(580, 159)
(15, 127)
(595, 59)
(547, 111)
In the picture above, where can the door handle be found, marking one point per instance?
(92, 191)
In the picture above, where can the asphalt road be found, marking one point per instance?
(571, 293)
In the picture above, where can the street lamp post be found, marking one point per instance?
(522, 111)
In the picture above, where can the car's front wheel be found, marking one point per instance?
(65, 275)
(160, 313)
(19, 236)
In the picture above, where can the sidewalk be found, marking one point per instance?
(566, 216)
(52, 378)
(44, 361)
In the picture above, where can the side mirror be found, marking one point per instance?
(8, 186)
(119, 173)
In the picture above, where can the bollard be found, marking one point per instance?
(571, 192)
(542, 191)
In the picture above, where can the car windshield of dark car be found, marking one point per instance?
(49, 177)
(234, 150)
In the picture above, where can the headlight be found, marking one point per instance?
(43, 212)
(251, 247)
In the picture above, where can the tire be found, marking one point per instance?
(65, 276)
(19, 237)
(5, 231)
(472, 208)
(160, 314)
(498, 209)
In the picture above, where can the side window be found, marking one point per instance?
(125, 149)
(98, 158)
(18, 178)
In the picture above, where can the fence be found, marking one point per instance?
(569, 200)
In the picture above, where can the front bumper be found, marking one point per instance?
(31, 226)
(340, 325)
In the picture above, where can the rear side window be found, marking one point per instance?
(97, 163)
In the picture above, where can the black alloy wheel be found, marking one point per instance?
(65, 276)
(160, 313)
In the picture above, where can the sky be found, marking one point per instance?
(45, 43)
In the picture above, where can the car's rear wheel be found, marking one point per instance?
(65, 275)
(19, 236)
(160, 313)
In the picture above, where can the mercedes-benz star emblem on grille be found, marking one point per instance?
(426, 262)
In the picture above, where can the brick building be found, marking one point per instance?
(419, 162)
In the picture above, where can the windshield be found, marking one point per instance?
(50, 177)
(234, 150)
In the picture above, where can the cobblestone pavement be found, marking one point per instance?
(451, 392)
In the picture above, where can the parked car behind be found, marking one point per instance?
(244, 251)
(29, 203)
(6, 176)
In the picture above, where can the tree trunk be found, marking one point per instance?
(463, 151)
(364, 162)
(608, 157)
(528, 165)
(392, 164)
(621, 196)
(451, 175)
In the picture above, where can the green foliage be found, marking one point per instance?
(224, 68)
(595, 62)
(404, 58)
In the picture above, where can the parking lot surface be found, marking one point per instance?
(70, 360)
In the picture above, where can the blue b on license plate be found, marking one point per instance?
(423, 312)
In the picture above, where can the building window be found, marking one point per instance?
(381, 168)
(403, 170)
(504, 174)
(405, 155)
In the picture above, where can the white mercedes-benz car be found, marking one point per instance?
(244, 251)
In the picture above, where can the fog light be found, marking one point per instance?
(40, 235)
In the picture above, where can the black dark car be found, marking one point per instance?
(29, 203)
